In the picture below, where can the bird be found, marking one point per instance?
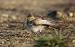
(37, 24)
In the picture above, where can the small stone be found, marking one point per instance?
(2, 42)
(71, 14)
(14, 17)
(73, 41)
(5, 15)
(60, 13)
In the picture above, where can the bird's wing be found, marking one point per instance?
(43, 22)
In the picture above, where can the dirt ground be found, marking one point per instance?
(13, 32)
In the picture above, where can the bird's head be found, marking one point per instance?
(31, 17)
